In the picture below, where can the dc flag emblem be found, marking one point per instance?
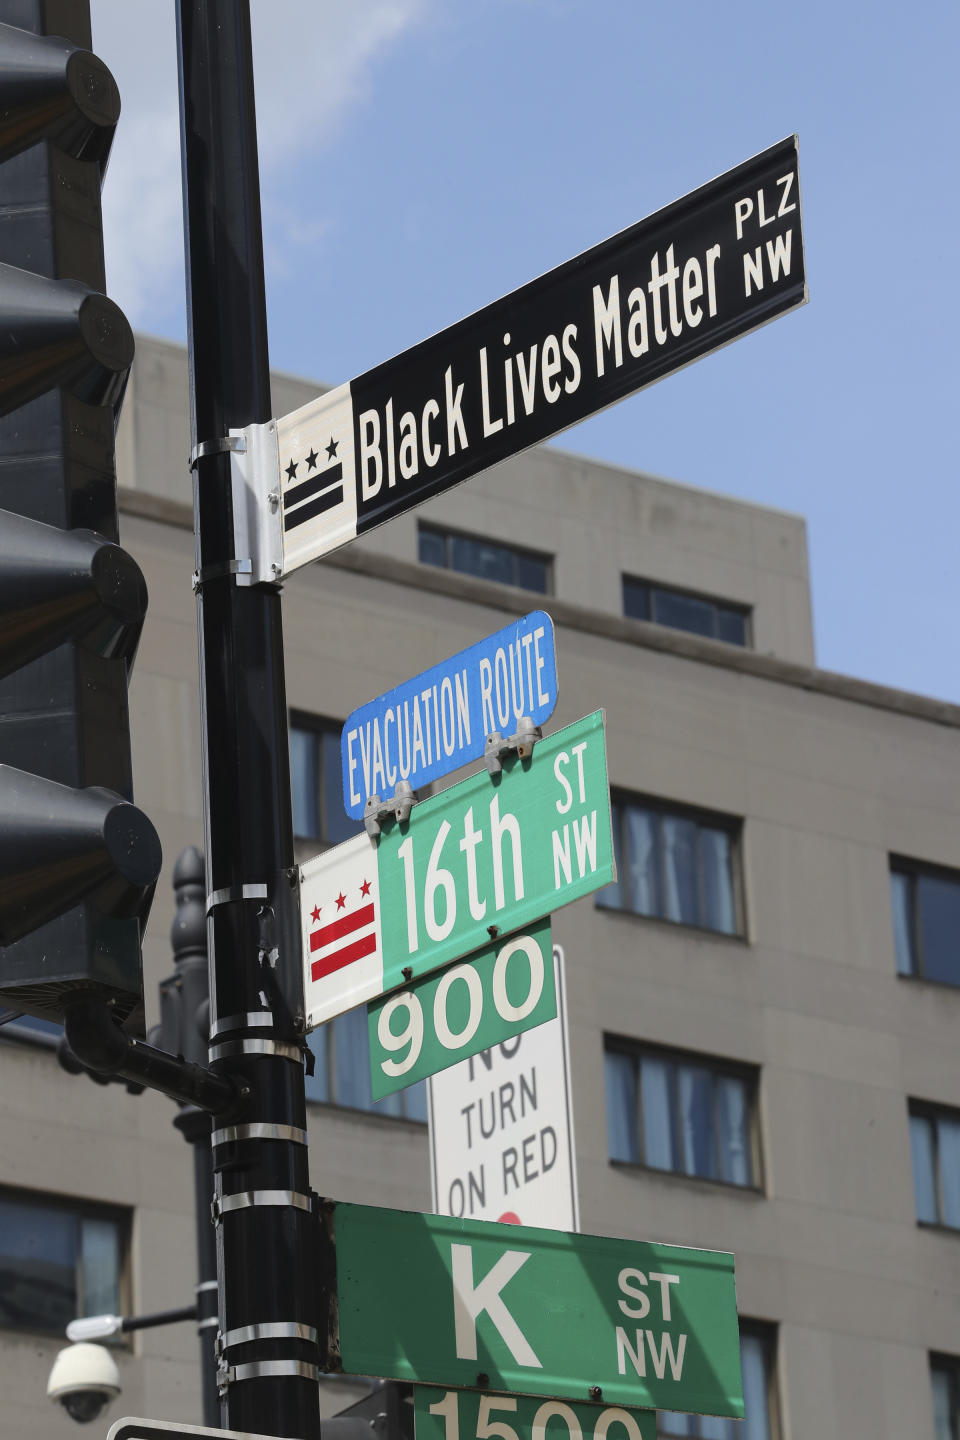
(319, 490)
(340, 919)
(318, 494)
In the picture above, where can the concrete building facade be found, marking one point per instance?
(763, 1013)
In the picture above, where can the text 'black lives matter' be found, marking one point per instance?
(696, 275)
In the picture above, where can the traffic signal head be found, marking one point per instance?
(78, 861)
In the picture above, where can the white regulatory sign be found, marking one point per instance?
(501, 1130)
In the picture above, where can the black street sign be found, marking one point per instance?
(131, 1428)
(692, 277)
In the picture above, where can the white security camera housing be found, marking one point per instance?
(84, 1380)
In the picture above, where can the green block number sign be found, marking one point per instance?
(499, 992)
(469, 1415)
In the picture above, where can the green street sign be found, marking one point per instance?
(476, 1304)
(470, 1415)
(507, 987)
(484, 858)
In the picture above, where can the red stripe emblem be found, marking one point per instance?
(345, 955)
(344, 926)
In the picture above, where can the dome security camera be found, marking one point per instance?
(84, 1380)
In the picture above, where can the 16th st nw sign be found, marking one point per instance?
(688, 279)
(483, 858)
(471, 1303)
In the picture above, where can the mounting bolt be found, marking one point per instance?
(483, 1379)
(595, 1392)
(273, 499)
(493, 931)
(407, 972)
(276, 569)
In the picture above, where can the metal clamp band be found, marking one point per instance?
(251, 1021)
(216, 572)
(271, 1330)
(206, 1285)
(208, 1324)
(245, 1198)
(232, 893)
(256, 1047)
(265, 1369)
(258, 1130)
(217, 447)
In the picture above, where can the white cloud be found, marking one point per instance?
(312, 62)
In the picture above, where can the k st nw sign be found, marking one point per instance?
(492, 852)
(473, 1304)
(438, 721)
(705, 270)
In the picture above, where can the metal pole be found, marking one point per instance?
(268, 1341)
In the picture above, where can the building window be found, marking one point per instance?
(675, 865)
(58, 1260)
(926, 921)
(945, 1384)
(683, 1113)
(487, 559)
(681, 610)
(935, 1150)
(342, 1071)
(316, 783)
(757, 1360)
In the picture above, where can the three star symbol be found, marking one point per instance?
(312, 458)
(341, 902)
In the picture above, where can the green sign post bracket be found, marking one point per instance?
(475, 1304)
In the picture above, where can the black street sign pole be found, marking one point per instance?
(267, 1342)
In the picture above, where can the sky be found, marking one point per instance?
(420, 158)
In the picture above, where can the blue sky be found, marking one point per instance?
(419, 158)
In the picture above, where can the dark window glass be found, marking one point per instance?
(673, 866)
(757, 1350)
(935, 1153)
(945, 1387)
(316, 784)
(57, 1262)
(433, 550)
(636, 600)
(487, 559)
(342, 1071)
(925, 905)
(731, 626)
(674, 1112)
(682, 610)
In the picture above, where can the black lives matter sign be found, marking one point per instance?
(690, 278)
